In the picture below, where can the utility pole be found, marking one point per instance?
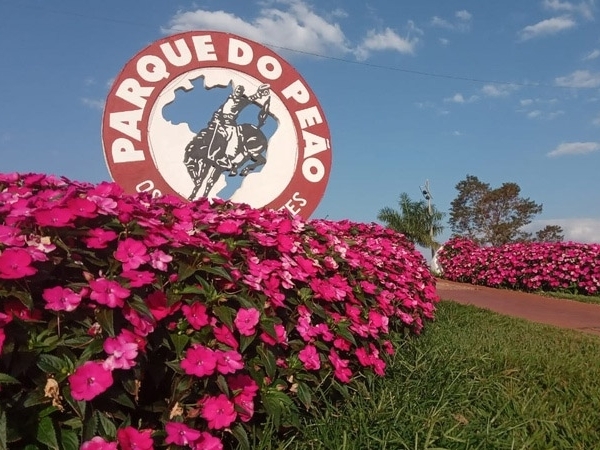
(427, 194)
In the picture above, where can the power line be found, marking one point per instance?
(318, 55)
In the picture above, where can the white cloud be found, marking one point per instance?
(444, 41)
(575, 148)
(93, 104)
(592, 55)
(533, 114)
(547, 27)
(582, 230)
(462, 22)
(498, 90)
(388, 39)
(584, 8)
(526, 102)
(297, 27)
(456, 98)
(579, 79)
(596, 121)
(456, 133)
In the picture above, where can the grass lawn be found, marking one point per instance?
(473, 380)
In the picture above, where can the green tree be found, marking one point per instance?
(414, 221)
(491, 216)
(550, 233)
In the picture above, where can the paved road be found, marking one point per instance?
(561, 313)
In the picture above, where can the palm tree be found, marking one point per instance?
(415, 220)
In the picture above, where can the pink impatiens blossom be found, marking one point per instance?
(207, 441)
(2, 338)
(61, 299)
(108, 292)
(246, 321)
(196, 315)
(224, 335)
(15, 263)
(99, 238)
(218, 411)
(181, 434)
(199, 360)
(229, 361)
(131, 439)
(159, 260)
(122, 351)
(132, 253)
(90, 380)
(54, 217)
(157, 304)
(340, 367)
(310, 357)
(98, 443)
(138, 278)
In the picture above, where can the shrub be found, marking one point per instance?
(139, 321)
(531, 266)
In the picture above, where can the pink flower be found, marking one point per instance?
(90, 380)
(98, 443)
(159, 260)
(2, 338)
(15, 263)
(199, 360)
(138, 278)
(122, 351)
(61, 299)
(225, 336)
(142, 325)
(280, 333)
(108, 292)
(99, 238)
(82, 207)
(196, 315)
(181, 434)
(246, 321)
(131, 439)
(340, 367)
(157, 304)
(229, 226)
(132, 253)
(218, 411)
(11, 236)
(54, 217)
(208, 442)
(229, 361)
(310, 358)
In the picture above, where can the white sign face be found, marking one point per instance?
(252, 132)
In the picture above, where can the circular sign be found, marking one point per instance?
(211, 114)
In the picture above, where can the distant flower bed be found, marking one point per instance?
(525, 266)
(140, 322)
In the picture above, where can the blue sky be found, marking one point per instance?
(412, 91)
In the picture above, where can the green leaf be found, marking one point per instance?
(225, 314)
(105, 318)
(245, 341)
(240, 434)
(223, 386)
(69, 440)
(268, 360)
(342, 330)
(304, 394)
(3, 440)
(185, 271)
(90, 428)
(123, 399)
(179, 342)
(107, 425)
(191, 289)
(7, 379)
(53, 365)
(46, 434)
(94, 347)
(140, 306)
(217, 270)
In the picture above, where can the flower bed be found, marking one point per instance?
(529, 266)
(137, 322)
